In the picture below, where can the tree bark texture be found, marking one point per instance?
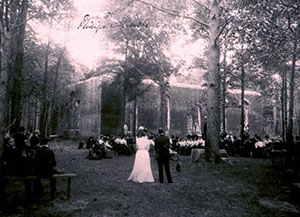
(291, 91)
(242, 126)
(45, 104)
(53, 106)
(223, 107)
(6, 62)
(18, 65)
(213, 89)
(284, 105)
(163, 115)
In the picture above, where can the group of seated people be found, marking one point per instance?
(26, 155)
(107, 146)
(185, 146)
(256, 146)
(248, 147)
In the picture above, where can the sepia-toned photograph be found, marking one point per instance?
(150, 108)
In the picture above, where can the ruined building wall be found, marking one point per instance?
(100, 109)
(85, 110)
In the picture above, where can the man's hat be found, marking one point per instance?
(160, 130)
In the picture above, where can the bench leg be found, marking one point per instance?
(69, 189)
(52, 188)
(28, 185)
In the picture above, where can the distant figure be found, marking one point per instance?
(204, 135)
(90, 142)
(141, 171)
(162, 145)
(80, 144)
(96, 151)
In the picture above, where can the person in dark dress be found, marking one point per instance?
(162, 145)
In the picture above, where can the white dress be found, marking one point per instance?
(141, 171)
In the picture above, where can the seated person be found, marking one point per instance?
(45, 162)
(90, 142)
(81, 143)
(9, 155)
(34, 139)
(95, 152)
(105, 147)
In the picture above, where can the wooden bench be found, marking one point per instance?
(296, 185)
(278, 157)
(67, 176)
(32, 178)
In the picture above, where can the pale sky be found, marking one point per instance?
(87, 47)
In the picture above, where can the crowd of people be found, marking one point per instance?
(29, 155)
(107, 146)
(258, 147)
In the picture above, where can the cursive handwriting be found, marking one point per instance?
(96, 23)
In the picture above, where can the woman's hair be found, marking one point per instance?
(141, 132)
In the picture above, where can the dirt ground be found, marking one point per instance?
(243, 187)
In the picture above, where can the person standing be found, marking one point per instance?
(142, 171)
(162, 145)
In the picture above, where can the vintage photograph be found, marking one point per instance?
(149, 108)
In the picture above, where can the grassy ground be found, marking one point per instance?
(244, 187)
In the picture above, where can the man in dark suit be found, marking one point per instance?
(45, 163)
(162, 145)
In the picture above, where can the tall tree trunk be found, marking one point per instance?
(53, 108)
(18, 65)
(124, 110)
(6, 46)
(292, 88)
(242, 126)
(284, 105)
(134, 121)
(45, 102)
(223, 106)
(35, 114)
(213, 90)
(163, 115)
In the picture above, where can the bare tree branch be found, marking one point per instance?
(174, 14)
(201, 5)
(224, 26)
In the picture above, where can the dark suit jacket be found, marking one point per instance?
(45, 162)
(162, 145)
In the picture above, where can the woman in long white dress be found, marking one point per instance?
(141, 171)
